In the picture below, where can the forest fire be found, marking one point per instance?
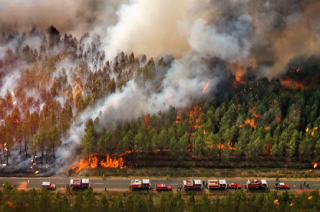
(206, 86)
(312, 133)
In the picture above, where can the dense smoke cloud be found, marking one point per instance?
(73, 16)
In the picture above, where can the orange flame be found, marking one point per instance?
(278, 120)
(310, 197)
(10, 204)
(92, 162)
(112, 163)
(6, 149)
(291, 204)
(14, 102)
(276, 201)
(206, 86)
(315, 165)
(36, 172)
(312, 134)
(298, 69)
(31, 167)
(266, 127)
(17, 120)
(307, 129)
(22, 185)
(204, 132)
(4, 164)
(237, 79)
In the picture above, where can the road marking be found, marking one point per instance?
(98, 183)
(60, 183)
(174, 184)
(317, 184)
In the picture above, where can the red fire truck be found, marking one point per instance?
(140, 184)
(192, 185)
(257, 184)
(163, 187)
(281, 185)
(234, 186)
(79, 183)
(48, 185)
(213, 184)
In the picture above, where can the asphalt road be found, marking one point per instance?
(125, 183)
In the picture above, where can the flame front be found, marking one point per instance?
(206, 86)
(92, 162)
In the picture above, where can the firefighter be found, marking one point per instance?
(178, 188)
(105, 188)
(304, 183)
(307, 184)
(124, 194)
(277, 179)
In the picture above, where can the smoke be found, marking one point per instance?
(74, 16)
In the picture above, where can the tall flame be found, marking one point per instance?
(315, 165)
(307, 129)
(206, 86)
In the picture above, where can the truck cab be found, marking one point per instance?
(85, 183)
(281, 185)
(146, 183)
(264, 184)
(222, 184)
(163, 187)
(48, 185)
(198, 184)
(187, 185)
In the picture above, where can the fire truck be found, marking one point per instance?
(217, 184)
(281, 185)
(163, 187)
(257, 184)
(140, 184)
(192, 185)
(234, 186)
(48, 185)
(213, 184)
(79, 183)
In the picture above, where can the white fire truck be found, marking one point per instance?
(48, 185)
(79, 183)
(192, 185)
(140, 184)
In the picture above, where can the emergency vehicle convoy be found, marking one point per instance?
(192, 185)
(163, 187)
(140, 184)
(48, 185)
(79, 183)
(281, 185)
(257, 184)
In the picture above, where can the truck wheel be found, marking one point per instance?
(278, 188)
